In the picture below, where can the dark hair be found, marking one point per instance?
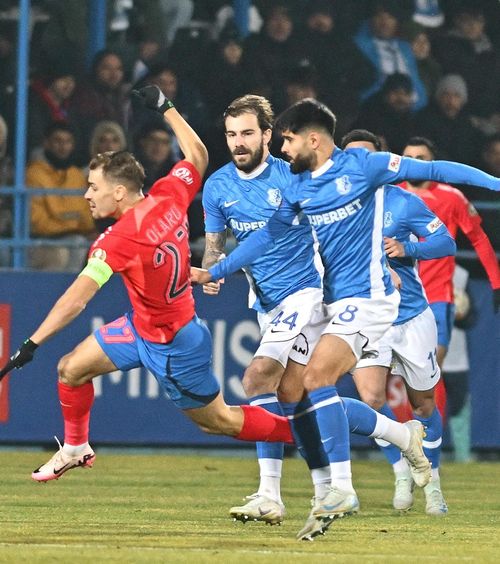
(305, 114)
(252, 104)
(361, 135)
(414, 141)
(397, 81)
(122, 167)
(100, 56)
(57, 126)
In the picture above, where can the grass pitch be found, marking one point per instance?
(174, 508)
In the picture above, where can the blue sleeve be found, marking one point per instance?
(215, 222)
(388, 168)
(257, 243)
(423, 223)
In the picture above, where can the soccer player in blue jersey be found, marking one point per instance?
(338, 193)
(410, 345)
(285, 289)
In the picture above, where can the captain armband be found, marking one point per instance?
(98, 270)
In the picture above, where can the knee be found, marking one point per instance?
(257, 380)
(373, 399)
(67, 373)
(424, 406)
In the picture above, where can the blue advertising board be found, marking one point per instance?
(130, 408)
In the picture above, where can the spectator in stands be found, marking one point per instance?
(227, 77)
(49, 99)
(154, 151)
(107, 136)
(467, 50)
(8, 66)
(184, 95)
(448, 123)
(429, 69)
(104, 96)
(378, 40)
(274, 50)
(428, 13)
(339, 64)
(389, 113)
(490, 155)
(58, 216)
(6, 178)
(175, 14)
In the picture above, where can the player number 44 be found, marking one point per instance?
(289, 320)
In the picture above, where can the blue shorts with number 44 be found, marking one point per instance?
(182, 367)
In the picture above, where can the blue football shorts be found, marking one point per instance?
(444, 313)
(182, 367)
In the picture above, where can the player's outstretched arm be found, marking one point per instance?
(191, 145)
(67, 308)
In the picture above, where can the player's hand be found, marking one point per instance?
(213, 288)
(200, 276)
(153, 98)
(393, 248)
(496, 299)
(21, 357)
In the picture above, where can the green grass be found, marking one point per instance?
(163, 508)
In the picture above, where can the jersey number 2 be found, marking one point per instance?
(173, 290)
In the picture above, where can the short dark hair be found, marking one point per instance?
(305, 114)
(122, 167)
(361, 135)
(252, 104)
(57, 126)
(418, 140)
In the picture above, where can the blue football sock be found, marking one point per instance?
(433, 439)
(270, 403)
(361, 417)
(305, 431)
(332, 423)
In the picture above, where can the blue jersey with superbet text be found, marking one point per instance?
(341, 202)
(245, 202)
(407, 219)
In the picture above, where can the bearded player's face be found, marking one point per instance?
(246, 142)
(297, 151)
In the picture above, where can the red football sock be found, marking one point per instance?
(75, 405)
(260, 425)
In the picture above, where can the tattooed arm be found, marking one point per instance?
(214, 251)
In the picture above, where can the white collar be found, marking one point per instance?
(256, 172)
(322, 169)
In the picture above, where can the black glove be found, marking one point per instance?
(21, 357)
(153, 98)
(496, 300)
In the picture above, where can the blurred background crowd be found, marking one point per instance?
(396, 67)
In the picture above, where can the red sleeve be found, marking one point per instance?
(111, 250)
(183, 178)
(467, 217)
(486, 254)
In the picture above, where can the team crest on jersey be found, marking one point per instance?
(343, 184)
(274, 197)
(394, 162)
(184, 174)
(387, 219)
(98, 254)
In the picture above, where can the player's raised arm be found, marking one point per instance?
(191, 145)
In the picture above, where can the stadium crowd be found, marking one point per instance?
(397, 68)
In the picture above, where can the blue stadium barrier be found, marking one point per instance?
(129, 407)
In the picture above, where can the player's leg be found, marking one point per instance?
(280, 328)
(370, 380)
(260, 382)
(416, 353)
(355, 324)
(76, 396)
